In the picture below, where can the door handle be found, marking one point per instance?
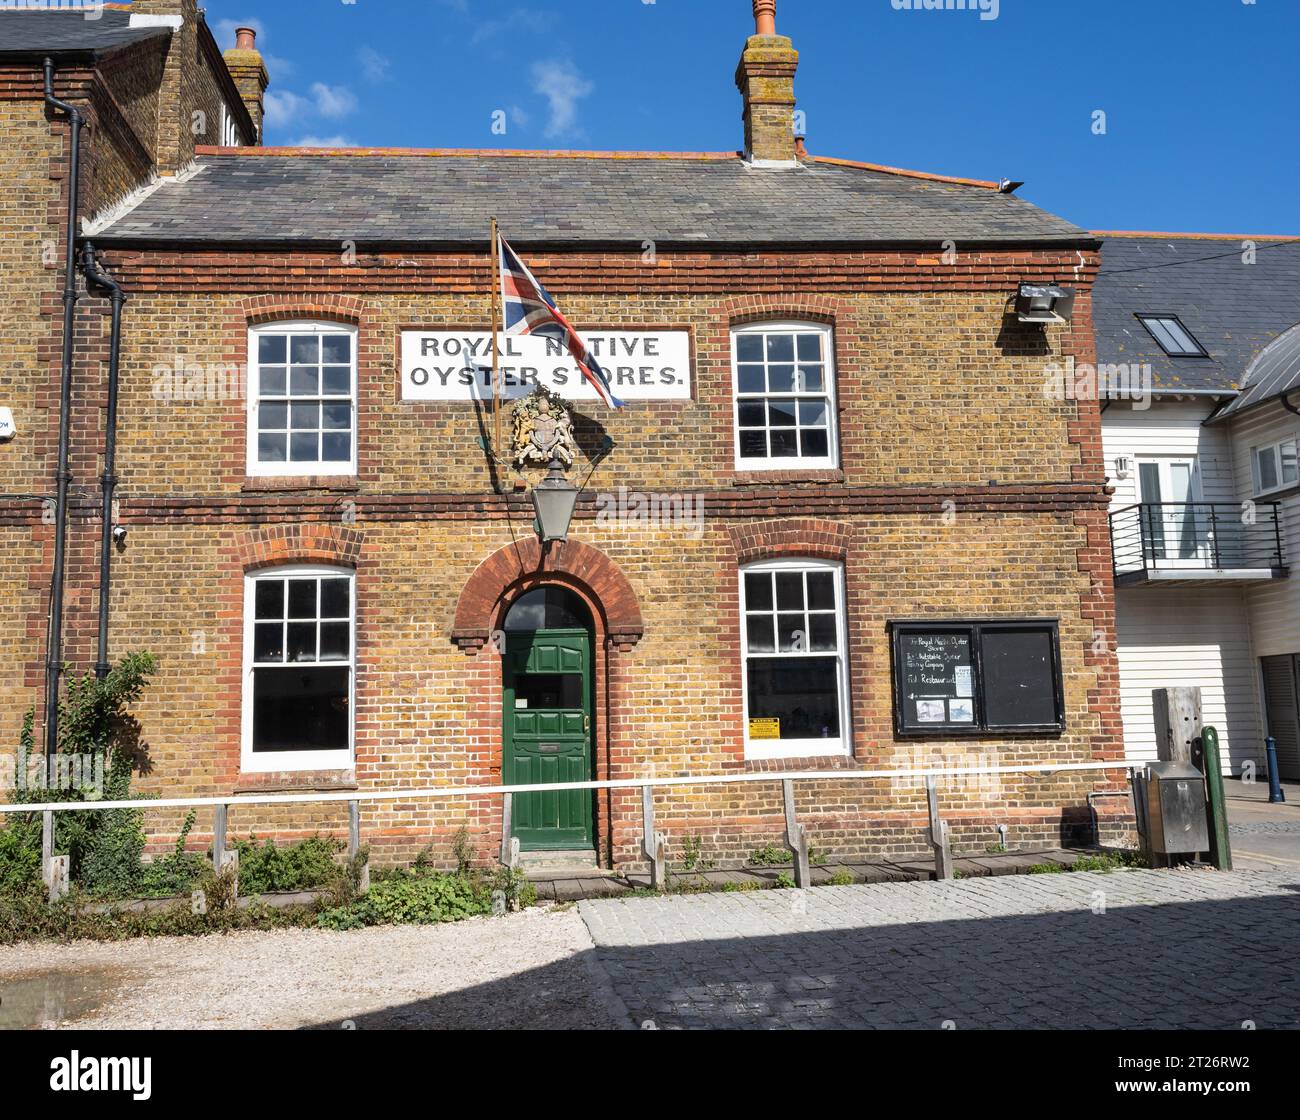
(586, 724)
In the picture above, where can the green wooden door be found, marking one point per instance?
(547, 678)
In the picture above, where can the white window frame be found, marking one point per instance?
(301, 468)
(1275, 450)
(267, 761)
(791, 462)
(1173, 326)
(797, 748)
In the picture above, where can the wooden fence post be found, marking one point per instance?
(653, 843)
(938, 832)
(796, 837)
(509, 844)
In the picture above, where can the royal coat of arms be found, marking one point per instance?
(543, 432)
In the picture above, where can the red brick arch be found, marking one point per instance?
(300, 543)
(524, 564)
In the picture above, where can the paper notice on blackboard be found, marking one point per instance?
(961, 711)
(930, 711)
(962, 680)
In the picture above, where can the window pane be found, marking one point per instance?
(337, 416)
(760, 634)
(550, 690)
(334, 598)
(821, 591)
(336, 348)
(300, 709)
(336, 447)
(1267, 469)
(304, 415)
(302, 598)
(789, 591)
(749, 347)
(1288, 450)
(812, 413)
(810, 380)
(302, 641)
(304, 447)
(810, 347)
(753, 414)
(784, 443)
(269, 596)
(1019, 682)
(272, 416)
(271, 383)
(751, 379)
(271, 448)
(272, 348)
(780, 379)
(753, 444)
(305, 348)
(780, 413)
(304, 381)
(816, 443)
(334, 641)
(791, 632)
(268, 641)
(338, 380)
(821, 633)
(780, 348)
(801, 692)
(758, 591)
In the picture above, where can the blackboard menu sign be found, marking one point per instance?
(968, 678)
(937, 673)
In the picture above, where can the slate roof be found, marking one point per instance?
(32, 32)
(540, 198)
(1233, 309)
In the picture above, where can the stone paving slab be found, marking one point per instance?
(1133, 949)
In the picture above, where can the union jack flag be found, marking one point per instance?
(529, 309)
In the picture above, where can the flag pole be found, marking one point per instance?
(496, 358)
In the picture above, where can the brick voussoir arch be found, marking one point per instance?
(300, 544)
(256, 310)
(571, 562)
(799, 308)
(790, 537)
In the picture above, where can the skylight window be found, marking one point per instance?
(1174, 338)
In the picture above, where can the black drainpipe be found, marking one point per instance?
(54, 646)
(100, 283)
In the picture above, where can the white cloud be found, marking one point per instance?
(524, 19)
(333, 101)
(373, 64)
(324, 142)
(563, 87)
(283, 107)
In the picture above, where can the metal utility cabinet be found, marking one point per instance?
(1176, 808)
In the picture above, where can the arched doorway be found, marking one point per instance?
(548, 698)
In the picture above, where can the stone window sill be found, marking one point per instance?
(783, 478)
(305, 781)
(271, 484)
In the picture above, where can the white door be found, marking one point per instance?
(1177, 529)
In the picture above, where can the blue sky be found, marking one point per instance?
(1200, 96)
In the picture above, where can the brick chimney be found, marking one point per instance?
(249, 71)
(175, 137)
(766, 80)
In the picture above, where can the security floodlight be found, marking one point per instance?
(1044, 303)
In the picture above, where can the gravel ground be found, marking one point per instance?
(532, 969)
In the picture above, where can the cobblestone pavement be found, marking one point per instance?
(1139, 949)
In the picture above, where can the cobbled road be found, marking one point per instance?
(1140, 949)
(1147, 949)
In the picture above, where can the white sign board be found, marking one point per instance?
(457, 365)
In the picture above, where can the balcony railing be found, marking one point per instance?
(1196, 541)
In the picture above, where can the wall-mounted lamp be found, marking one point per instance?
(1123, 464)
(554, 499)
(1044, 303)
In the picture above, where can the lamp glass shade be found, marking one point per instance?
(554, 500)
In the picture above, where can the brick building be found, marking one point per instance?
(838, 526)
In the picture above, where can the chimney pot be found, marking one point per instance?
(764, 17)
(245, 37)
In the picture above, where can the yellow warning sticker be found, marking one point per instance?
(766, 727)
